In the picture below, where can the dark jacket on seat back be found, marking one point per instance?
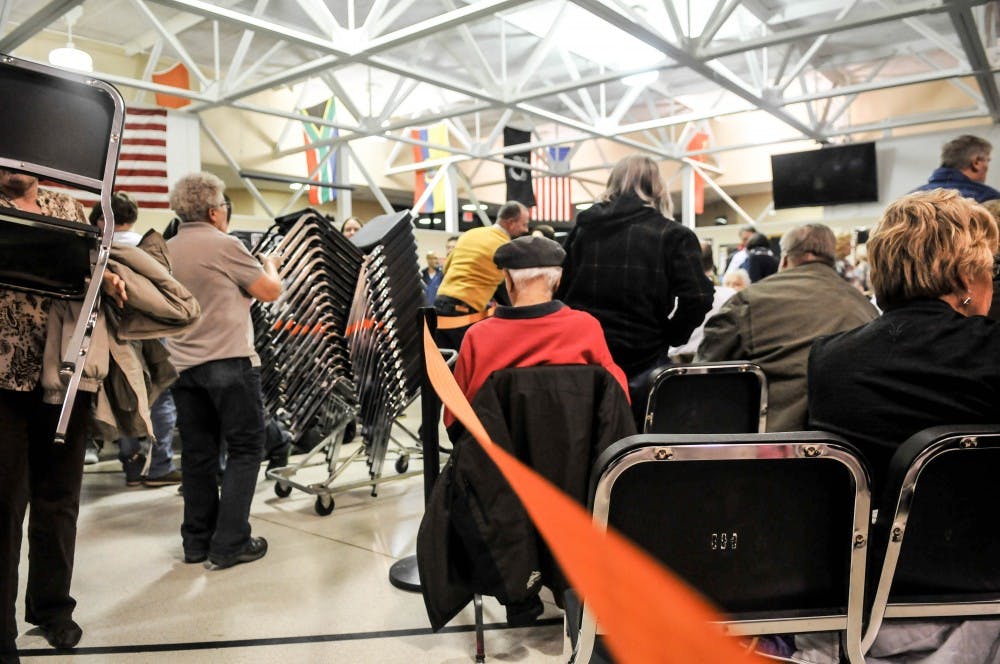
(475, 535)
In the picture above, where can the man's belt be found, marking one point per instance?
(445, 322)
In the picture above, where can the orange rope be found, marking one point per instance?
(646, 613)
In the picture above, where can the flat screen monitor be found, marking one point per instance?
(829, 176)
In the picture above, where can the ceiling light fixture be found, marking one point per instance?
(70, 57)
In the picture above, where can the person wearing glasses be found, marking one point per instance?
(933, 357)
(218, 393)
(965, 161)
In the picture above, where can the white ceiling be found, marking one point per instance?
(557, 66)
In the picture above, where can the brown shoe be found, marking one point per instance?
(171, 478)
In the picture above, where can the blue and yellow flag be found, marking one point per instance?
(435, 135)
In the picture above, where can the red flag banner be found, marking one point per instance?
(175, 77)
(698, 142)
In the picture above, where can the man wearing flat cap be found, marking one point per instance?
(535, 329)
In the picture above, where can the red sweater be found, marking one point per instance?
(539, 334)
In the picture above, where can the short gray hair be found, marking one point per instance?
(511, 210)
(523, 275)
(960, 152)
(815, 239)
(193, 195)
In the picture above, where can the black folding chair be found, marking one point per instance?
(708, 397)
(61, 126)
(772, 528)
(936, 550)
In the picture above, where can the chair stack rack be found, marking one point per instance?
(331, 347)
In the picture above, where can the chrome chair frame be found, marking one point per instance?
(45, 166)
(937, 442)
(818, 446)
(706, 369)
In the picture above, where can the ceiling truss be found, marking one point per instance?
(474, 65)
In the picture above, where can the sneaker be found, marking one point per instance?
(90, 457)
(171, 478)
(254, 549)
(63, 634)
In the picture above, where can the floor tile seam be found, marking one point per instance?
(280, 640)
(321, 536)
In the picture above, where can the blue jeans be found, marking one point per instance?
(163, 416)
(219, 400)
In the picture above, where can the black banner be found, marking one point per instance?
(518, 179)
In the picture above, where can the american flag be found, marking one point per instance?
(552, 192)
(142, 163)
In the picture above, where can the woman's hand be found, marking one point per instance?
(114, 286)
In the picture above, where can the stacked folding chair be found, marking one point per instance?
(65, 127)
(340, 343)
(300, 336)
(384, 333)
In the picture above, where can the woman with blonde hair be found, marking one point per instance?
(932, 357)
(629, 263)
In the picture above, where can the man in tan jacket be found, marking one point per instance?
(774, 322)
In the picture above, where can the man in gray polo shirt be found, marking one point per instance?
(218, 391)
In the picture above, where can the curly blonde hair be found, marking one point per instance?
(927, 244)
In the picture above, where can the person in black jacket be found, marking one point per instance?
(628, 263)
(760, 262)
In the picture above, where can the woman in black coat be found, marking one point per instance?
(636, 270)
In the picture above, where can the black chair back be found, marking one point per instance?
(935, 545)
(772, 528)
(63, 126)
(708, 397)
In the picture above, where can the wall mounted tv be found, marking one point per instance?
(829, 176)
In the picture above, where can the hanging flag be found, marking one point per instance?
(518, 179)
(698, 142)
(175, 77)
(552, 192)
(142, 162)
(318, 133)
(434, 135)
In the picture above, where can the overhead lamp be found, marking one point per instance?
(642, 79)
(583, 206)
(472, 207)
(69, 56)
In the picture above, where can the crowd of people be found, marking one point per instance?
(629, 289)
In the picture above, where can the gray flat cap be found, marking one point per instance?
(529, 251)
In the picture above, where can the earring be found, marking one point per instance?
(967, 301)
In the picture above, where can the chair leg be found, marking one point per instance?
(477, 603)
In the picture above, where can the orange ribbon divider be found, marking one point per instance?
(454, 322)
(647, 614)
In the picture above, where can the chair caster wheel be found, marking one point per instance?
(324, 505)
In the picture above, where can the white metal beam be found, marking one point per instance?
(171, 39)
(972, 43)
(35, 23)
(710, 71)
